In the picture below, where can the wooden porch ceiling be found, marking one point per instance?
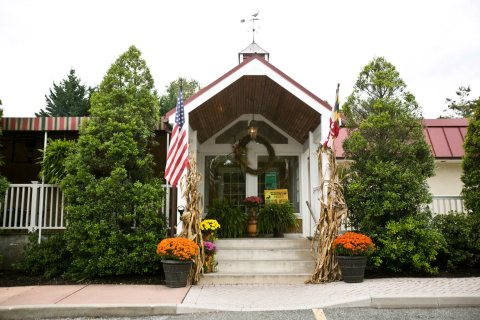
(257, 94)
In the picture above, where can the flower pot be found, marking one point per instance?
(352, 268)
(176, 272)
(252, 227)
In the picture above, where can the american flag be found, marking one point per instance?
(335, 122)
(177, 155)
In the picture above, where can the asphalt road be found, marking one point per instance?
(330, 314)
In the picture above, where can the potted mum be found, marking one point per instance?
(352, 250)
(252, 203)
(210, 262)
(177, 255)
(209, 228)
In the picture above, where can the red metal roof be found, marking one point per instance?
(445, 137)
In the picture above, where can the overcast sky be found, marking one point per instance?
(435, 45)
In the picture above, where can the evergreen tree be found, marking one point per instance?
(462, 108)
(471, 160)
(391, 160)
(168, 101)
(113, 200)
(70, 98)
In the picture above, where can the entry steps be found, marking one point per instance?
(262, 261)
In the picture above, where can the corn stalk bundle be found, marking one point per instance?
(333, 210)
(192, 217)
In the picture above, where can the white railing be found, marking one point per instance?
(32, 206)
(445, 204)
(36, 206)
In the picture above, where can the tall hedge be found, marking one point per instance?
(112, 198)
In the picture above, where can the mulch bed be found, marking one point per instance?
(10, 278)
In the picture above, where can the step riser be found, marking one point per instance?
(254, 279)
(272, 244)
(266, 267)
(278, 254)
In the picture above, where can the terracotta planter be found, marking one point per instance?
(176, 273)
(352, 268)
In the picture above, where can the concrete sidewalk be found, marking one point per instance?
(135, 300)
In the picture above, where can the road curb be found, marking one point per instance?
(56, 311)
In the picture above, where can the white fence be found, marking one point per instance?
(41, 206)
(445, 204)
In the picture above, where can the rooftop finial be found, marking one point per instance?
(253, 19)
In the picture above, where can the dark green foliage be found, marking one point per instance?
(53, 162)
(471, 161)
(169, 100)
(233, 221)
(50, 258)
(70, 98)
(112, 199)
(409, 246)
(460, 231)
(391, 160)
(276, 217)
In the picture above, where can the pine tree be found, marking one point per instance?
(70, 98)
(168, 101)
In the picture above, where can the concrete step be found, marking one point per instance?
(265, 266)
(263, 243)
(264, 254)
(231, 278)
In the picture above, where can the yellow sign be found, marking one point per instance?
(276, 196)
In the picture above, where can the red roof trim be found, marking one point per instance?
(241, 65)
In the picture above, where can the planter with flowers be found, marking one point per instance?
(252, 203)
(210, 264)
(352, 250)
(209, 228)
(177, 255)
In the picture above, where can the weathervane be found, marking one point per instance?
(253, 19)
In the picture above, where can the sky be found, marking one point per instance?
(435, 45)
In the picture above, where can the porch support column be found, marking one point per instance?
(314, 183)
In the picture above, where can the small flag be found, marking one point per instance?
(335, 122)
(177, 155)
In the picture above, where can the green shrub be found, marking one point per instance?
(276, 217)
(233, 221)
(460, 231)
(409, 246)
(53, 160)
(50, 258)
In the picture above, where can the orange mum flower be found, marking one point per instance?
(353, 244)
(177, 249)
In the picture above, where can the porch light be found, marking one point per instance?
(252, 129)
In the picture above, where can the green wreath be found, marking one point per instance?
(240, 152)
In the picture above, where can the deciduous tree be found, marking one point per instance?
(391, 160)
(168, 101)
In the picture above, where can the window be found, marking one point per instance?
(225, 181)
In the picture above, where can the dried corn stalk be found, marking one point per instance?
(192, 217)
(332, 210)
